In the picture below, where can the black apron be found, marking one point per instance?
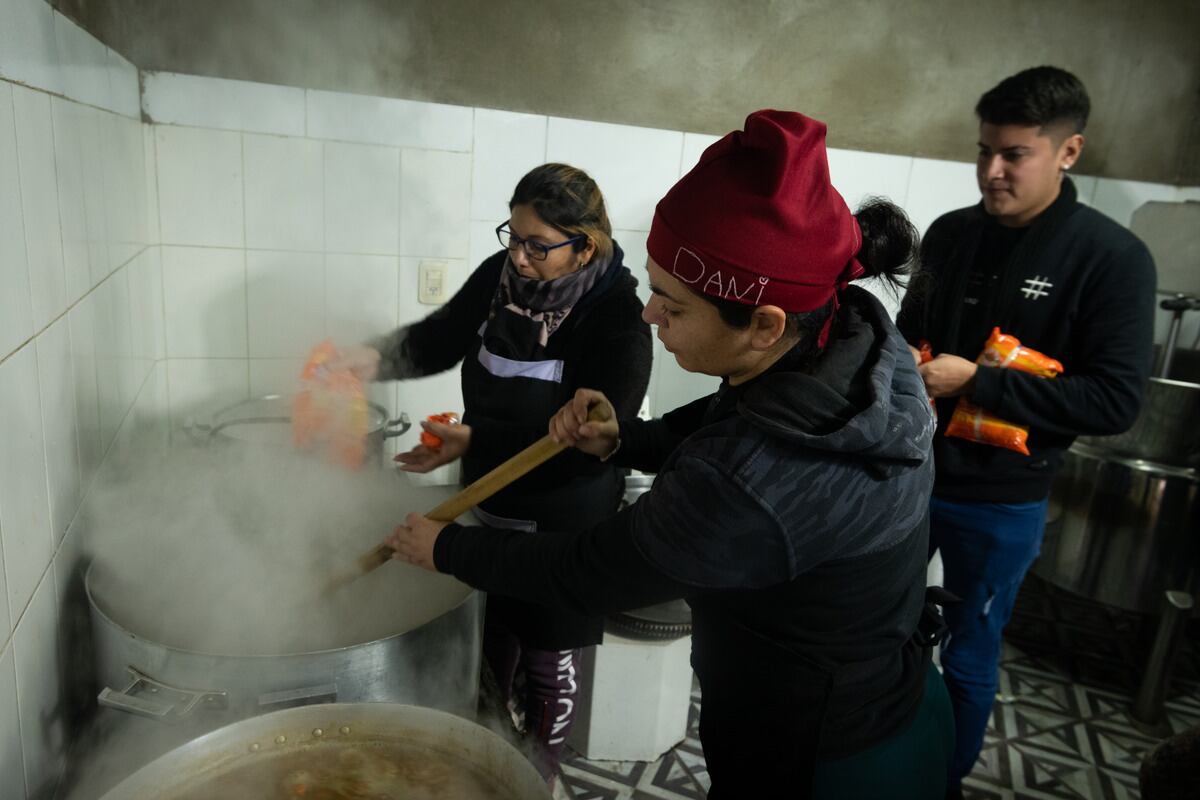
(569, 492)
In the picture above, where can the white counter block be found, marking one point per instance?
(634, 698)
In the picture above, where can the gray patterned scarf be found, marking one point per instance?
(545, 304)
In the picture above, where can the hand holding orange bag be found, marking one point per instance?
(330, 411)
(972, 423)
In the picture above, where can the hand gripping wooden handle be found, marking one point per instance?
(522, 463)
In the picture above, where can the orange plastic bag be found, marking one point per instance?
(972, 423)
(432, 441)
(329, 413)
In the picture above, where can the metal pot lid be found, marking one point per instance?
(268, 420)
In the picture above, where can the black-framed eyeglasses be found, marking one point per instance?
(535, 250)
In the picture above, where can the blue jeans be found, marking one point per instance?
(986, 549)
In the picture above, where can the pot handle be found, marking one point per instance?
(390, 431)
(309, 695)
(198, 432)
(152, 698)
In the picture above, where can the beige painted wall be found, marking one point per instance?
(893, 77)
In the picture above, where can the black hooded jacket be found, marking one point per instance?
(791, 512)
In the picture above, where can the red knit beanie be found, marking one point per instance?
(757, 220)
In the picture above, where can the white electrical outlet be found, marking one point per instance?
(431, 282)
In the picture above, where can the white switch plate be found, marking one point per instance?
(431, 282)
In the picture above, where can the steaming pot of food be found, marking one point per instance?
(208, 599)
(267, 422)
(341, 752)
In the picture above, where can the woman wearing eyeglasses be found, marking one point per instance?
(554, 311)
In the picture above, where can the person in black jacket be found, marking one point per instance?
(554, 311)
(1066, 281)
(789, 508)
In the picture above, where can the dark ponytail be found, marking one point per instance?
(889, 241)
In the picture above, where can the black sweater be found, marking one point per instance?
(1079, 288)
(603, 343)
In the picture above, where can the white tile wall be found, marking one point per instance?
(435, 203)
(201, 386)
(24, 504)
(59, 425)
(483, 241)
(95, 201)
(116, 381)
(228, 105)
(123, 83)
(284, 193)
(124, 188)
(147, 325)
(150, 168)
(694, 145)
(362, 199)
(506, 146)
(362, 296)
(16, 311)
(634, 167)
(274, 375)
(285, 302)
(28, 46)
(43, 735)
(5, 619)
(1119, 199)
(39, 199)
(1085, 188)
(82, 322)
(75, 208)
(200, 186)
(204, 296)
(382, 120)
(936, 187)
(858, 175)
(12, 770)
(85, 66)
(67, 117)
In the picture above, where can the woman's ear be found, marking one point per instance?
(588, 252)
(767, 326)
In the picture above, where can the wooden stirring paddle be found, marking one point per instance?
(523, 462)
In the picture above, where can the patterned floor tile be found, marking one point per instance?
(1061, 727)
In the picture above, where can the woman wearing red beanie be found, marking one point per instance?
(789, 507)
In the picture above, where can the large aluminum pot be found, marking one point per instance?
(1122, 531)
(394, 750)
(267, 422)
(1167, 430)
(186, 625)
(436, 665)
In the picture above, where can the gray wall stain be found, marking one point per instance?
(897, 78)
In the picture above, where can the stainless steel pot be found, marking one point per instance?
(1167, 430)
(267, 422)
(435, 665)
(263, 746)
(1122, 531)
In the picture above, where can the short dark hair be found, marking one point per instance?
(1042, 96)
